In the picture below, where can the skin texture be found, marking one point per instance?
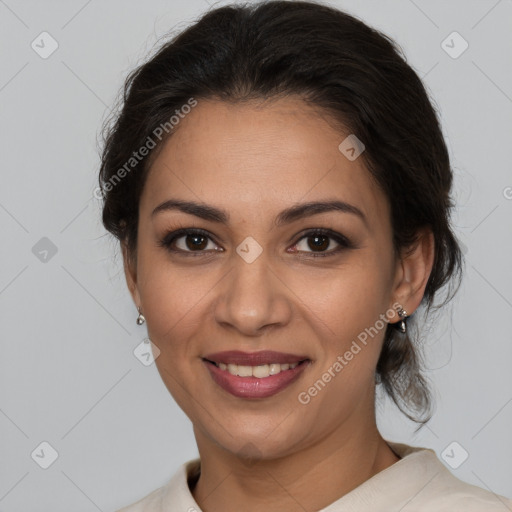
(254, 160)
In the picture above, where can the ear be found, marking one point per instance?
(413, 270)
(130, 272)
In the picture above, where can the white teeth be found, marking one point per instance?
(276, 368)
(260, 371)
(244, 371)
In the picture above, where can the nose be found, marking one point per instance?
(253, 298)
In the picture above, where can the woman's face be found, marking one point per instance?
(259, 280)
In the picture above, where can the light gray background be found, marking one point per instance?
(68, 374)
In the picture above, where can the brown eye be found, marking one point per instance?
(322, 242)
(188, 241)
(194, 242)
(318, 242)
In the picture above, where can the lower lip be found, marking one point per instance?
(253, 387)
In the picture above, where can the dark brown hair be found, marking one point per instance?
(337, 64)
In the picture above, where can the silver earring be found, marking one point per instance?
(140, 318)
(400, 325)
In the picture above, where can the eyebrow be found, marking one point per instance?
(287, 216)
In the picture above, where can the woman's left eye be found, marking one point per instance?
(193, 242)
(320, 240)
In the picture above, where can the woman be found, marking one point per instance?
(280, 187)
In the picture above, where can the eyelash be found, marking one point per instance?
(344, 243)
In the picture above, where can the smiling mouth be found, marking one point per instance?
(260, 371)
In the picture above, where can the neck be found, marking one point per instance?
(309, 479)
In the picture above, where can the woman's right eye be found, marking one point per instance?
(188, 242)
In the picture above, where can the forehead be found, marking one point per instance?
(256, 158)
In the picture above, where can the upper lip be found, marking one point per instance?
(254, 358)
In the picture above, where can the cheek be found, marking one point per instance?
(344, 377)
(173, 315)
(347, 311)
(343, 301)
(174, 296)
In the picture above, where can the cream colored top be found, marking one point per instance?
(418, 482)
